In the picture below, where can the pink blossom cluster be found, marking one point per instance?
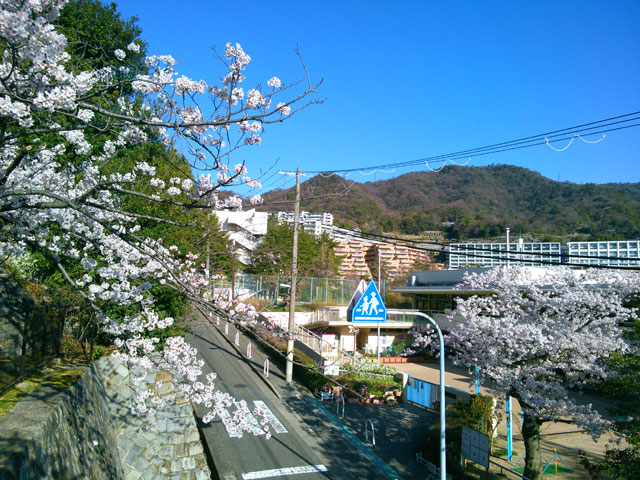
(73, 209)
(541, 332)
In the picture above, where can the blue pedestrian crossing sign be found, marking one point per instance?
(370, 307)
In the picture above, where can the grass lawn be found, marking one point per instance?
(56, 376)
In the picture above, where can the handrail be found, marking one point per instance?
(373, 432)
(319, 339)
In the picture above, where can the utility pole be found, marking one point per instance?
(294, 279)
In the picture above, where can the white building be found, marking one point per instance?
(314, 223)
(245, 229)
(464, 255)
(623, 250)
(623, 253)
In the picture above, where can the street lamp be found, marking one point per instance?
(443, 443)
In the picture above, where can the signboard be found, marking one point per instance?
(331, 368)
(369, 308)
(362, 286)
(475, 446)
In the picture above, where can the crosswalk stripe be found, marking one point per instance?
(281, 472)
(254, 425)
(271, 418)
(256, 429)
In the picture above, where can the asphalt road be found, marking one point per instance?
(294, 451)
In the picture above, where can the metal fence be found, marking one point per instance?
(275, 287)
(29, 335)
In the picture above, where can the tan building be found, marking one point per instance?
(359, 259)
(353, 263)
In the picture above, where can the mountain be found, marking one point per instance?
(474, 202)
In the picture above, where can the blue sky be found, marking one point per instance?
(407, 80)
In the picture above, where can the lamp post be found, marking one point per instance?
(443, 443)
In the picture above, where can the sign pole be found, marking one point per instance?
(443, 431)
(509, 433)
(378, 343)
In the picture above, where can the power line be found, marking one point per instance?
(524, 142)
(480, 249)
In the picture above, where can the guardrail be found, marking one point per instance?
(507, 469)
(373, 432)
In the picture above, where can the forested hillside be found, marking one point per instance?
(477, 202)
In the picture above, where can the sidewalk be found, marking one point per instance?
(568, 439)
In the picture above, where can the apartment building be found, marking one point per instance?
(395, 260)
(314, 223)
(245, 229)
(359, 258)
(353, 263)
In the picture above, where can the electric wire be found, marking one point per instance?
(511, 256)
(524, 142)
(481, 249)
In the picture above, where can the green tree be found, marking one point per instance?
(94, 32)
(624, 389)
(316, 255)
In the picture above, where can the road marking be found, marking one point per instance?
(254, 425)
(256, 429)
(271, 418)
(281, 472)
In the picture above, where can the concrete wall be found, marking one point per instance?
(88, 431)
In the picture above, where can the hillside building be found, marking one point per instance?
(313, 223)
(353, 263)
(359, 258)
(245, 229)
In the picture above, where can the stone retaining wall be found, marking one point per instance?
(88, 431)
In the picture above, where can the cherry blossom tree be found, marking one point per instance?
(62, 129)
(541, 333)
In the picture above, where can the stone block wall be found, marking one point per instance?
(165, 445)
(55, 433)
(88, 431)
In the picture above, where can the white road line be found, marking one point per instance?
(256, 429)
(271, 418)
(225, 416)
(280, 472)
